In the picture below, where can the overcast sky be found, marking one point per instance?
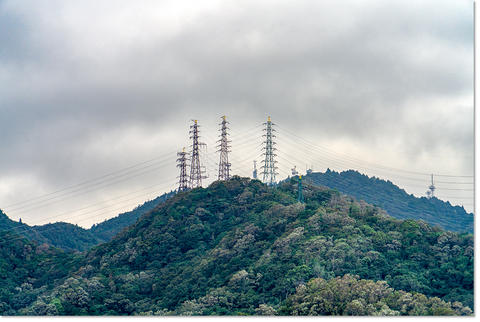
(88, 88)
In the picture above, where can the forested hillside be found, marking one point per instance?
(28, 269)
(394, 200)
(74, 238)
(110, 227)
(240, 247)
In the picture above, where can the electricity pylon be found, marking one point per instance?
(224, 165)
(182, 164)
(269, 168)
(196, 169)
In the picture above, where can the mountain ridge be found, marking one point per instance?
(395, 200)
(72, 237)
(241, 247)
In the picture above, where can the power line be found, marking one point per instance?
(94, 216)
(341, 162)
(373, 164)
(98, 185)
(88, 181)
(72, 214)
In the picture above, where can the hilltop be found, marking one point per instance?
(394, 200)
(240, 247)
(71, 237)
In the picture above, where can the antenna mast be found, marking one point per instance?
(269, 168)
(431, 189)
(224, 165)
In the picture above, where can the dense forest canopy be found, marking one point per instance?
(71, 237)
(394, 200)
(241, 247)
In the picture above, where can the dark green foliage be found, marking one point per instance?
(105, 231)
(394, 200)
(74, 238)
(27, 269)
(67, 236)
(6, 224)
(60, 234)
(240, 247)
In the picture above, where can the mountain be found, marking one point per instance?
(240, 247)
(71, 237)
(394, 200)
(28, 269)
(6, 224)
(109, 228)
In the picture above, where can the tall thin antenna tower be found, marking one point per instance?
(254, 169)
(431, 189)
(182, 164)
(224, 165)
(196, 169)
(269, 168)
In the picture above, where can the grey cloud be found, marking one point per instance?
(330, 70)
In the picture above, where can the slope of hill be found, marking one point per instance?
(71, 237)
(109, 228)
(240, 247)
(394, 200)
(28, 269)
(6, 224)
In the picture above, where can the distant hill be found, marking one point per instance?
(6, 224)
(394, 200)
(109, 228)
(27, 268)
(74, 238)
(240, 247)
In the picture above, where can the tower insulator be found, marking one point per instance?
(224, 165)
(182, 164)
(269, 166)
(196, 169)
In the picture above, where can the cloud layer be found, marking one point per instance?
(87, 88)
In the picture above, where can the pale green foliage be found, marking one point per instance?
(349, 295)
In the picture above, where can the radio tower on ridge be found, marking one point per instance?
(431, 190)
(269, 168)
(196, 169)
(182, 164)
(224, 165)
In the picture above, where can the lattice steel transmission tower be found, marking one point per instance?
(254, 174)
(224, 165)
(196, 169)
(269, 168)
(182, 164)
